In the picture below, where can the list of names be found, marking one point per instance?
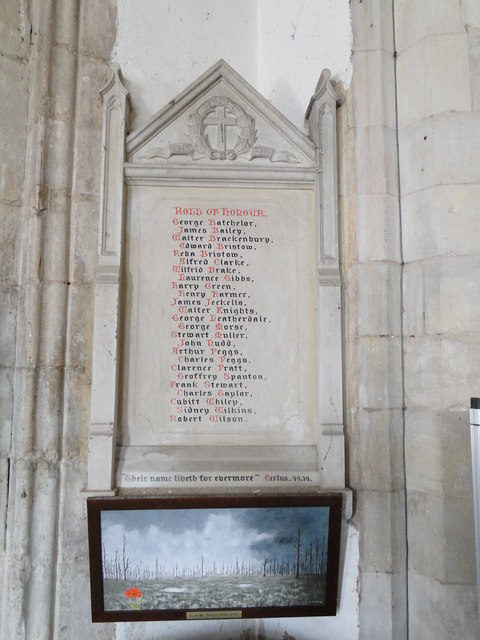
(213, 379)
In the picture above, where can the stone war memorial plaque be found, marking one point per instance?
(217, 357)
(219, 349)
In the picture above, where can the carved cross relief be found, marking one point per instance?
(220, 121)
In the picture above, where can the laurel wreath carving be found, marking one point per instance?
(196, 130)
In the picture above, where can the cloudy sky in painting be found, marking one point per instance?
(220, 535)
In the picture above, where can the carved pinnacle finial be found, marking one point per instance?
(324, 89)
(116, 80)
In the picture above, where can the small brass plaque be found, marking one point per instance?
(213, 615)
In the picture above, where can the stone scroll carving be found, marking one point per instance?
(220, 129)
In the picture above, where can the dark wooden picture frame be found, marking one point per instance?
(178, 558)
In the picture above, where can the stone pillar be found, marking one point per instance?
(97, 24)
(14, 83)
(38, 382)
(45, 535)
(371, 257)
(438, 71)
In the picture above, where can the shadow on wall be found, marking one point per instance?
(225, 630)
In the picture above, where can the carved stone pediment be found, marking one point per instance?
(220, 121)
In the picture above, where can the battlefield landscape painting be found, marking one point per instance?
(229, 558)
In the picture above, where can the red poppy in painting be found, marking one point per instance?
(133, 593)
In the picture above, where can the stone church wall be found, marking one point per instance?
(55, 55)
(410, 265)
(409, 182)
(439, 120)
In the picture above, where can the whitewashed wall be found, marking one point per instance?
(278, 46)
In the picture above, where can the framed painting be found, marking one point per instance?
(187, 558)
